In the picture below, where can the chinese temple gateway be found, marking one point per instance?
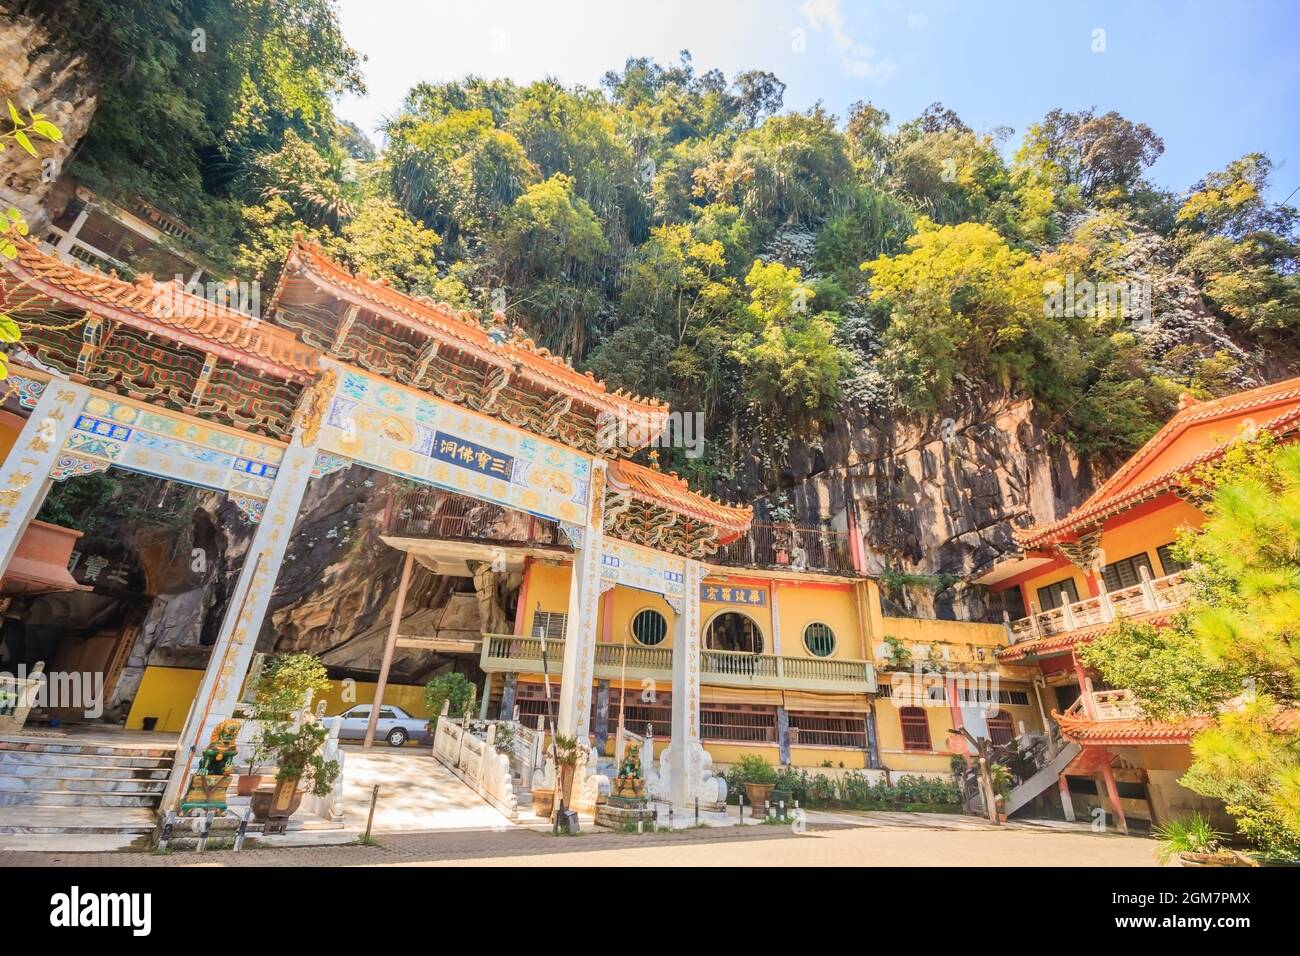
(704, 636)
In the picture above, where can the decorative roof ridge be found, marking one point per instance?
(464, 325)
(1086, 730)
(164, 308)
(1185, 417)
(674, 492)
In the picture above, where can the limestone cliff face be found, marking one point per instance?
(36, 75)
(933, 497)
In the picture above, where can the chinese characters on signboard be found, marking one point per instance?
(733, 594)
(468, 454)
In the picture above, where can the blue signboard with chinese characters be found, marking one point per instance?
(733, 594)
(471, 455)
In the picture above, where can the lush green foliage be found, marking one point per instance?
(454, 689)
(679, 235)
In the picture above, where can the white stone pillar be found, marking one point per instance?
(583, 619)
(236, 641)
(24, 476)
(685, 766)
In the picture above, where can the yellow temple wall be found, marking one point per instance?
(166, 693)
(799, 605)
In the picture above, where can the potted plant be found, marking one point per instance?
(258, 751)
(280, 692)
(1194, 842)
(299, 761)
(565, 751)
(758, 777)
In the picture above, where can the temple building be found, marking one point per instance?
(661, 610)
(1112, 558)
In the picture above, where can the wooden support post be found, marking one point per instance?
(1112, 793)
(391, 643)
(1067, 805)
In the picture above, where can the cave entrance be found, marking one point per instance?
(122, 552)
(452, 569)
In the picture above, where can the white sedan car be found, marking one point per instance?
(395, 725)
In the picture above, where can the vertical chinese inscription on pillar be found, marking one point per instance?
(593, 538)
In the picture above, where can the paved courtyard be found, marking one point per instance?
(765, 846)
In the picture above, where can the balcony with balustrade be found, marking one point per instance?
(1149, 596)
(521, 654)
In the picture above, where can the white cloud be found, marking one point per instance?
(856, 58)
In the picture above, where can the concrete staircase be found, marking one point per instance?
(66, 773)
(1044, 778)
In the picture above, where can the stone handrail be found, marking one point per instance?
(1151, 594)
(476, 762)
(509, 652)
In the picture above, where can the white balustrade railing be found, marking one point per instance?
(1158, 594)
(476, 761)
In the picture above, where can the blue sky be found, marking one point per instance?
(1214, 80)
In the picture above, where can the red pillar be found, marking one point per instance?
(1094, 583)
(1085, 686)
(1112, 792)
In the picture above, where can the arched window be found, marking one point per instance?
(732, 631)
(649, 627)
(916, 728)
(819, 639)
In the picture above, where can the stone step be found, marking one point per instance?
(75, 820)
(76, 798)
(81, 784)
(83, 770)
(71, 747)
(11, 753)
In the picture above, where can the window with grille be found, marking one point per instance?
(550, 624)
(1001, 730)
(649, 627)
(1168, 563)
(738, 722)
(1050, 596)
(1125, 573)
(916, 728)
(975, 696)
(819, 639)
(829, 730)
(639, 711)
(884, 690)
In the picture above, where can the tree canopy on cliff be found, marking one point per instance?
(647, 228)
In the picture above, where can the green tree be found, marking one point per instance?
(1235, 651)
(453, 689)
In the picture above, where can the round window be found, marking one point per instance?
(819, 639)
(649, 627)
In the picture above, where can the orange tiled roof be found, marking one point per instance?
(166, 309)
(463, 330)
(1136, 732)
(674, 493)
(1279, 401)
(1059, 643)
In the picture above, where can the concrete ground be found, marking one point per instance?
(415, 792)
(765, 846)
